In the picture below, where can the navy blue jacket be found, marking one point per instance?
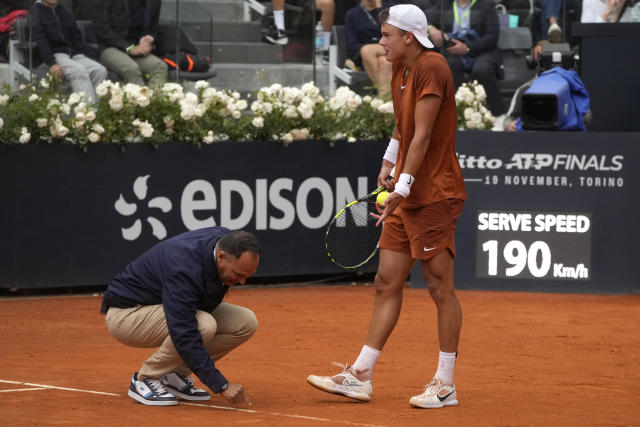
(359, 30)
(181, 274)
(55, 31)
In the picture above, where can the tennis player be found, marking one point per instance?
(420, 214)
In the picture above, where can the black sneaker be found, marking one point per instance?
(150, 392)
(276, 36)
(183, 387)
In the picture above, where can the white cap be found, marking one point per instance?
(411, 18)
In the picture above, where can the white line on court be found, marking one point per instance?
(23, 389)
(226, 408)
(59, 388)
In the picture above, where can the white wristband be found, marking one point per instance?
(403, 185)
(392, 151)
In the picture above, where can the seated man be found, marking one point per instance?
(362, 31)
(470, 32)
(277, 34)
(126, 30)
(59, 44)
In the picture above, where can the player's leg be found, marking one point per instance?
(394, 267)
(436, 248)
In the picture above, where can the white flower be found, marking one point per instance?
(476, 117)
(300, 134)
(489, 117)
(241, 105)
(145, 129)
(98, 128)
(202, 84)
(367, 99)
(103, 88)
(236, 114)
(116, 103)
(470, 125)
(42, 122)
(305, 111)
(90, 116)
(376, 103)
(386, 108)
(94, 137)
(74, 98)
(25, 136)
(34, 97)
(57, 129)
(4, 99)
(287, 138)
(44, 83)
(257, 122)
(290, 112)
(351, 139)
(65, 108)
(209, 138)
(467, 113)
(335, 103)
(1, 122)
(142, 101)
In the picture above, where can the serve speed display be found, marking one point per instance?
(533, 245)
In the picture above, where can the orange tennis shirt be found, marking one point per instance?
(439, 176)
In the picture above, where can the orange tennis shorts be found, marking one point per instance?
(423, 232)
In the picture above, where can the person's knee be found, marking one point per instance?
(250, 323)
(387, 284)
(207, 326)
(132, 74)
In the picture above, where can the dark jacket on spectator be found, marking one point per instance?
(361, 29)
(55, 31)
(121, 23)
(483, 20)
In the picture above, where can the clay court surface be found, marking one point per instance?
(525, 359)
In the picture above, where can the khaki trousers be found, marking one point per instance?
(222, 330)
(135, 69)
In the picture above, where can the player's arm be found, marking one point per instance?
(425, 116)
(389, 160)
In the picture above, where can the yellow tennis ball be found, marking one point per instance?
(382, 196)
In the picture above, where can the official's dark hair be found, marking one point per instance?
(237, 242)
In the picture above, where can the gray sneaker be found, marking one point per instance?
(344, 383)
(183, 387)
(150, 392)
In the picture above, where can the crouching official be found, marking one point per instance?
(171, 298)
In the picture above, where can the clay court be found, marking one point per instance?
(525, 359)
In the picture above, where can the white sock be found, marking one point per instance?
(366, 361)
(446, 364)
(278, 19)
(327, 40)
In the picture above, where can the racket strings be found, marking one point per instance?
(353, 237)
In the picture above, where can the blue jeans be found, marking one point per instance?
(549, 8)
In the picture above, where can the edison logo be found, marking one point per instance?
(140, 189)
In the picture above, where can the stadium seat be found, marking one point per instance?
(515, 44)
(337, 56)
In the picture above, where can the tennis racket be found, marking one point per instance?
(351, 239)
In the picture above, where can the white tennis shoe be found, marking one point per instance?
(436, 395)
(344, 383)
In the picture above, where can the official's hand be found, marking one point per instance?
(56, 71)
(385, 171)
(390, 203)
(458, 49)
(512, 126)
(235, 394)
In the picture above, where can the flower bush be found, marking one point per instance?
(38, 113)
(471, 102)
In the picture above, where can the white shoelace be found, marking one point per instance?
(156, 386)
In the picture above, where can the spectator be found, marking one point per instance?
(126, 30)
(606, 11)
(362, 31)
(549, 20)
(277, 33)
(59, 44)
(470, 31)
